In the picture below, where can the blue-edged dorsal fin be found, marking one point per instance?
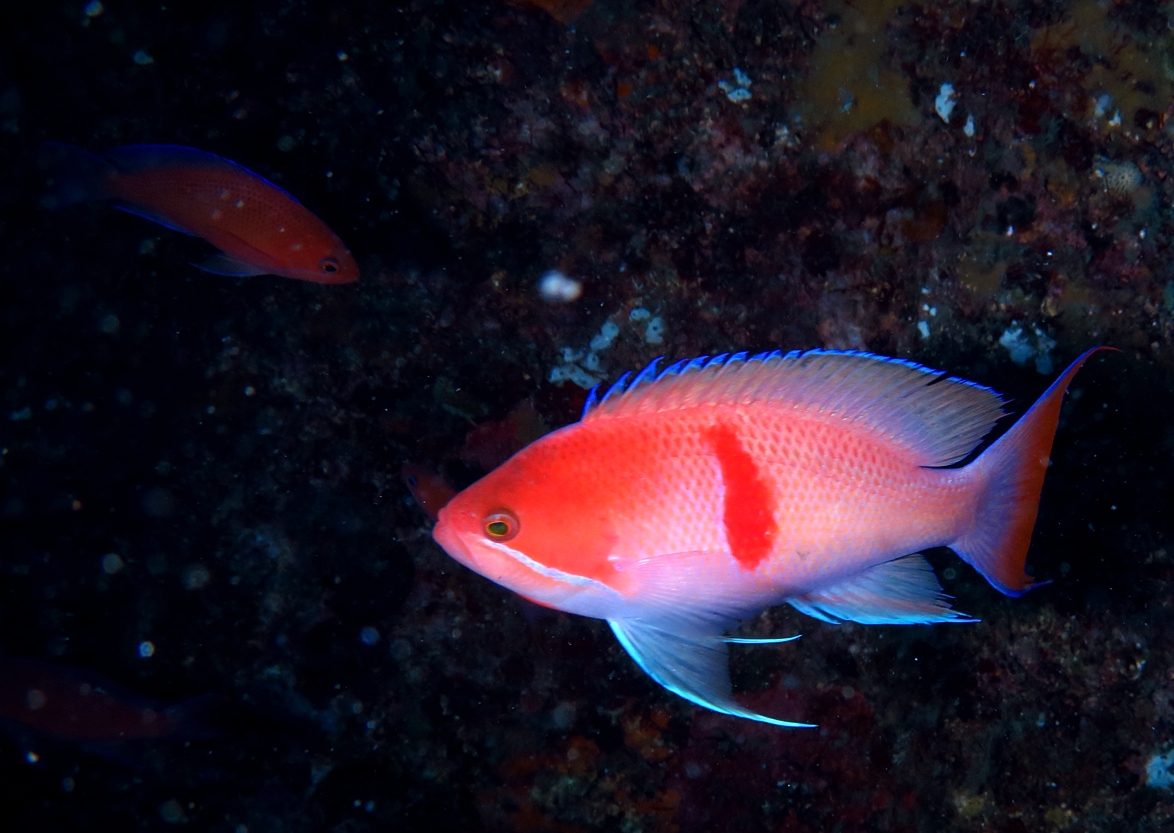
(648, 374)
(136, 158)
(900, 592)
(939, 418)
(693, 664)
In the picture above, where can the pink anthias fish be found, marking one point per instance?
(259, 228)
(697, 496)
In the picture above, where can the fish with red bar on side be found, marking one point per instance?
(259, 228)
(79, 706)
(697, 496)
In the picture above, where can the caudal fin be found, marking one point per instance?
(74, 175)
(196, 718)
(1011, 476)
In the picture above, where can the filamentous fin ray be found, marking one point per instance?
(756, 640)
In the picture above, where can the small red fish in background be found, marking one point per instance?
(259, 228)
(78, 706)
(565, 12)
(492, 443)
(430, 490)
(697, 496)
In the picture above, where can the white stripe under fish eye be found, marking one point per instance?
(550, 572)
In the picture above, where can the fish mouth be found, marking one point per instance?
(446, 535)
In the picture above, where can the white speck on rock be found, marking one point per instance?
(1159, 771)
(944, 103)
(654, 332)
(557, 288)
(607, 334)
(1023, 346)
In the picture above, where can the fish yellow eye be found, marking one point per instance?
(501, 526)
(328, 265)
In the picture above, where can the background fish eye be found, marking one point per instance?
(328, 264)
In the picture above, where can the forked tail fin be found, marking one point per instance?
(74, 175)
(1011, 476)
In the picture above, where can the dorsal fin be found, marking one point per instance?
(940, 418)
(132, 159)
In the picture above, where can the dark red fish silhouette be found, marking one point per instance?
(259, 228)
(79, 706)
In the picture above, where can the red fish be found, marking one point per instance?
(430, 490)
(697, 496)
(83, 707)
(259, 228)
(492, 443)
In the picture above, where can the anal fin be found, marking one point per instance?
(225, 264)
(152, 215)
(900, 592)
(694, 665)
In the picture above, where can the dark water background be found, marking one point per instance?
(237, 443)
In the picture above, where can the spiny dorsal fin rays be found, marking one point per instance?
(939, 418)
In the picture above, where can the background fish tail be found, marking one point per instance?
(74, 175)
(1011, 476)
(196, 718)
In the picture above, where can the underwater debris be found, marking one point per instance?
(1159, 770)
(943, 105)
(584, 367)
(557, 288)
(739, 91)
(1120, 178)
(1023, 346)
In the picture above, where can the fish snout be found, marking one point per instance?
(447, 534)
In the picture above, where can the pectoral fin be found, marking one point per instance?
(692, 664)
(901, 592)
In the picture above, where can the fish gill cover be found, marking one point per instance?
(200, 475)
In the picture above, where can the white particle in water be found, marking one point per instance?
(557, 288)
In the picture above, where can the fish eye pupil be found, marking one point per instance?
(500, 525)
(329, 264)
